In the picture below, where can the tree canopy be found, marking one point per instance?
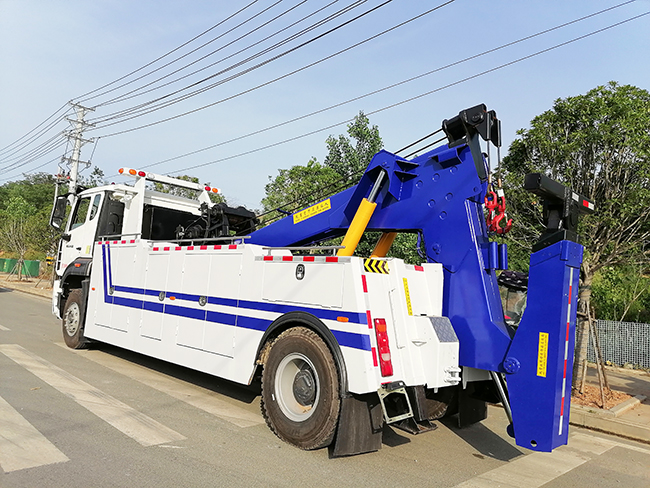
(598, 144)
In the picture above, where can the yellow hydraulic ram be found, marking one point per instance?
(383, 245)
(361, 219)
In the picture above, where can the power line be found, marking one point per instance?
(125, 97)
(81, 97)
(142, 109)
(12, 150)
(374, 92)
(187, 54)
(422, 95)
(278, 78)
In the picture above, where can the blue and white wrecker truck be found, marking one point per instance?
(343, 344)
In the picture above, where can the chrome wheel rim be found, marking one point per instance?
(297, 387)
(72, 319)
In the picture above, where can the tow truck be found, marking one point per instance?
(343, 344)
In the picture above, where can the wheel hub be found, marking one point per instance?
(297, 387)
(304, 387)
(72, 320)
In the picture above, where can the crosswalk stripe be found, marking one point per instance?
(134, 424)
(3, 328)
(206, 401)
(539, 468)
(21, 445)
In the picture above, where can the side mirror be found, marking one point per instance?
(58, 211)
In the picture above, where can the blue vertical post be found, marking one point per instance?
(540, 361)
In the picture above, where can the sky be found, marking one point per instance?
(54, 52)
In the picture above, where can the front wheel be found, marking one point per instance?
(300, 390)
(73, 316)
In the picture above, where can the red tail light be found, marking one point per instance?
(385, 363)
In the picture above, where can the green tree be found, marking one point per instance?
(599, 145)
(16, 231)
(349, 156)
(622, 293)
(186, 192)
(346, 159)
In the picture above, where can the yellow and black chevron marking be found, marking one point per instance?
(376, 266)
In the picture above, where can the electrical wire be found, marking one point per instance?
(142, 109)
(83, 98)
(191, 52)
(9, 153)
(125, 97)
(374, 92)
(422, 95)
(278, 78)
(29, 156)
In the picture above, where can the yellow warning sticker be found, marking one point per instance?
(408, 296)
(375, 266)
(542, 354)
(309, 212)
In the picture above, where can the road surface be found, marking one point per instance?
(105, 417)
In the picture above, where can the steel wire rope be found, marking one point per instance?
(83, 98)
(124, 97)
(275, 79)
(131, 94)
(422, 95)
(194, 50)
(140, 110)
(374, 92)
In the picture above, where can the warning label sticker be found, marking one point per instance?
(309, 212)
(408, 296)
(542, 354)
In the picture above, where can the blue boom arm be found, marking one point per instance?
(440, 195)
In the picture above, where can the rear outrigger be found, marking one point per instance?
(344, 344)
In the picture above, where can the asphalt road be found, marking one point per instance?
(109, 418)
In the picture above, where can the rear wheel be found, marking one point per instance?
(300, 389)
(73, 320)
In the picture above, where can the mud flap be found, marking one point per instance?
(360, 426)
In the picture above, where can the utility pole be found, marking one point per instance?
(75, 136)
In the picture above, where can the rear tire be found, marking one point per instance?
(300, 390)
(73, 320)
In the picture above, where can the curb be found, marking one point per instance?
(608, 420)
(27, 292)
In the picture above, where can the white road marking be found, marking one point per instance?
(3, 328)
(136, 425)
(207, 401)
(21, 445)
(539, 468)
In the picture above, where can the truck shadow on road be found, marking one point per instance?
(486, 442)
(243, 393)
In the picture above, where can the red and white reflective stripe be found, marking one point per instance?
(364, 284)
(131, 241)
(304, 259)
(216, 247)
(566, 349)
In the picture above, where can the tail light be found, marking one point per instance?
(385, 363)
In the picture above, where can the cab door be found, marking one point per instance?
(78, 240)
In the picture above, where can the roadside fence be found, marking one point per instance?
(623, 343)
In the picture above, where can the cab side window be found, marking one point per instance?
(80, 213)
(95, 207)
